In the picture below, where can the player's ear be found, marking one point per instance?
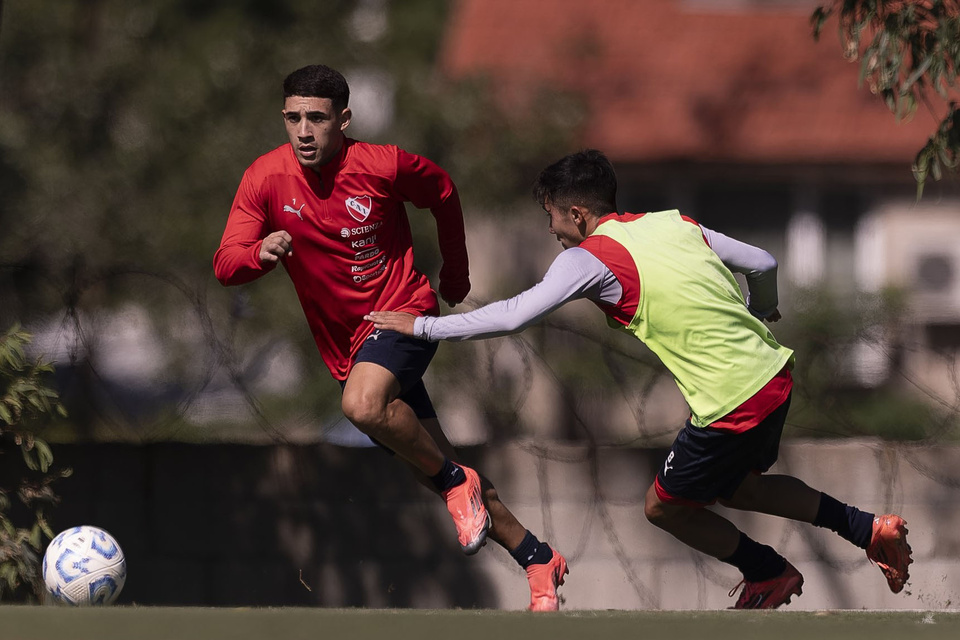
(345, 117)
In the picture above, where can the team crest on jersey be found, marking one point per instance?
(359, 207)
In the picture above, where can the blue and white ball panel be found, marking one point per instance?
(84, 565)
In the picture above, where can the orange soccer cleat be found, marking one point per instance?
(465, 504)
(889, 549)
(769, 594)
(544, 580)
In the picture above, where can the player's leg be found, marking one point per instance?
(882, 537)
(769, 580)
(773, 494)
(545, 567)
(705, 465)
(505, 530)
(386, 366)
(370, 401)
(396, 411)
(693, 525)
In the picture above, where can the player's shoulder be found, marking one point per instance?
(626, 216)
(369, 157)
(609, 233)
(668, 215)
(278, 161)
(676, 215)
(608, 223)
(597, 243)
(575, 256)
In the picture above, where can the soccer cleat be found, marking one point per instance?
(465, 504)
(769, 594)
(890, 551)
(544, 580)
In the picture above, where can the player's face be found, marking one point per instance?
(563, 225)
(314, 128)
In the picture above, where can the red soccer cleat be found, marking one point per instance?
(889, 549)
(769, 594)
(465, 504)
(544, 580)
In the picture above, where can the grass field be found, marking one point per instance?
(172, 623)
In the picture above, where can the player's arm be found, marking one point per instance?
(574, 274)
(427, 186)
(247, 250)
(758, 267)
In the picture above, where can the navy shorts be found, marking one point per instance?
(406, 358)
(706, 464)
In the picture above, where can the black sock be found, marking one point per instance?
(531, 551)
(450, 476)
(757, 562)
(849, 522)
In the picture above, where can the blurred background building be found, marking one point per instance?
(729, 111)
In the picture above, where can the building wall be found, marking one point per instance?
(319, 525)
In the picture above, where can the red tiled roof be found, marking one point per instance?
(670, 79)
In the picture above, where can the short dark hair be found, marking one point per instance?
(318, 81)
(585, 178)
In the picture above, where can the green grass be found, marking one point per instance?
(173, 623)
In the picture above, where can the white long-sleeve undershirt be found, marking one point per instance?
(576, 273)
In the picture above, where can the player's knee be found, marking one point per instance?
(656, 515)
(366, 414)
(746, 494)
(653, 508)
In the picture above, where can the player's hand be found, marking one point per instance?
(392, 321)
(275, 246)
(453, 293)
(773, 316)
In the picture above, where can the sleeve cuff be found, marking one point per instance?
(421, 327)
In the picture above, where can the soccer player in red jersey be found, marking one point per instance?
(668, 281)
(331, 210)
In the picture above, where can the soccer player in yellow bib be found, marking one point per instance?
(668, 281)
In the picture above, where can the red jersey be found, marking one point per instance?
(352, 246)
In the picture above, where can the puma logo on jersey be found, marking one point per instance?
(290, 209)
(359, 207)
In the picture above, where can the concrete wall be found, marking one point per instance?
(327, 526)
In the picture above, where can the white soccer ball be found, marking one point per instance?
(84, 566)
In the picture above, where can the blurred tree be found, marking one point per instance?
(26, 404)
(910, 54)
(125, 129)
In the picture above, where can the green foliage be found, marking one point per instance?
(25, 405)
(828, 401)
(943, 147)
(909, 52)
(123, 137)
(125, 129)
